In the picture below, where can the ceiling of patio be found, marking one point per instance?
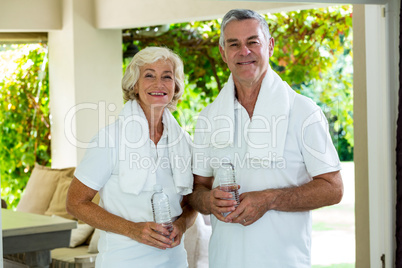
(47, 15)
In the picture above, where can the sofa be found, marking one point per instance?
(46, 193)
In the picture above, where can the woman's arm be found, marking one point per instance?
(185, 221)
(80, 205)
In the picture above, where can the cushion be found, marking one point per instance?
(196, 241)
(93, 244)
(40, 188)
(66, 257)
(80, 234)
(96, 198)
(57, 205)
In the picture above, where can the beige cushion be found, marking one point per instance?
(96, 198)
(57, 205)
(80, 234)
(196, 241)
(93, 244)
(62, 257)
(40, 188)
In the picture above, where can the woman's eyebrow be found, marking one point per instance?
(149, 69)
(153, 70)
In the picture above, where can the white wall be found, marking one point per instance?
(131, 14)
(28, 15)
(84, 75)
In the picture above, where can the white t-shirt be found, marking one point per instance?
(99, 170)
(278, 239)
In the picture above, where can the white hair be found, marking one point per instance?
(242, 14)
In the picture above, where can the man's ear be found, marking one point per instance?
(222, 54)
(271, 45)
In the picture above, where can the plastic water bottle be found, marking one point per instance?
(227, 182)
(161, 208)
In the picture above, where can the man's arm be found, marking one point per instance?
(210, 201)
(324, 190)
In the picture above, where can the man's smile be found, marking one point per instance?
(246, 62)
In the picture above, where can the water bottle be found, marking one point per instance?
(161, 208)
(227, 182)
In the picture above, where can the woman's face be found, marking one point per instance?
(156, 84)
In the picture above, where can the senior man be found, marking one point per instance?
(283, 156)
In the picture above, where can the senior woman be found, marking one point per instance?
(144, 147)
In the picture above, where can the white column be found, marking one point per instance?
(362, 212)
(85, 70)
(376, 57)
(381, 121)
(378, 171)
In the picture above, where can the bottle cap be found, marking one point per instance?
(225, 175)
(158, 188)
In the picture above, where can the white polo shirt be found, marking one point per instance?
(278, 239)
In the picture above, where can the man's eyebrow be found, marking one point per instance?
(253, 37)
(232, 40)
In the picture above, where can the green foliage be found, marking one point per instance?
(308, 42)
(24, 116)
(313, 53)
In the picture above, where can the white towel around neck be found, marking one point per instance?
(134, 134)
(268, 127)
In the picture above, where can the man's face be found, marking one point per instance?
(247, 51)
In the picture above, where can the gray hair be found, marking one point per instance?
(150, 55)
(242, 14)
